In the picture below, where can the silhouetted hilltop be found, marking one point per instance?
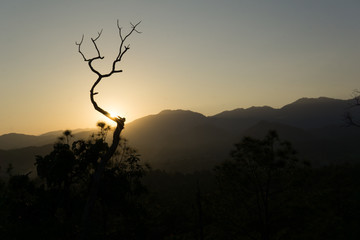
(17, 140)
(251, 112)
(303, 113)
(315, 112)
(180, 140)
(22, 159)
(168, 120)
(238, 120)
(313, 101)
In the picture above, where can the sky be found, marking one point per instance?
(202, 55)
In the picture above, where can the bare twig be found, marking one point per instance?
(79, 50)
(134, 27)
(94, 42)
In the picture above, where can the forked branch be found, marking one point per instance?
(96, 47)
(94, 42)
(122, 50)
(123, 39)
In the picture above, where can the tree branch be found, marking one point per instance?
(79, 50)
(94, 42)
(123, 39)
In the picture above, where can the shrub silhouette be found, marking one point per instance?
(68, 174)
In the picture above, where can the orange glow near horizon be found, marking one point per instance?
(269, 54)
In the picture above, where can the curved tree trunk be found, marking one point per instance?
(99, 171)
(96, 181)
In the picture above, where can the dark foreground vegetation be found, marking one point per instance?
(261, 192)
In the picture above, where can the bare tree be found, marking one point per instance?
(120, 121)
(351, 117)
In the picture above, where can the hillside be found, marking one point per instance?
(180, 140)
(22, 159)
(17, 140)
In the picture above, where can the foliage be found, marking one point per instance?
(261, 192)
(58, 196)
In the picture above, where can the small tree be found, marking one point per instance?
(352, 118)
(118, 120)
(252, 183)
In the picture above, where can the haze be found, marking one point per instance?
(206, 56)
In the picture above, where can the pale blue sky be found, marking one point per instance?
(205, 56)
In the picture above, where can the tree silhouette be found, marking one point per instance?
(351, 117)
(118, 120)
(67, 174)
(259, 172)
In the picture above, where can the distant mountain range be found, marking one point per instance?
(179, 140)
(16, 140)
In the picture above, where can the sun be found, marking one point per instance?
(108, 120)
(113, 114)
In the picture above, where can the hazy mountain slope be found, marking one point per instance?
(303, 122)
(22, 159)
(314, 112)
(248, 113)
(304, 113)
(16, 140)
(179, 140)
(309, 146)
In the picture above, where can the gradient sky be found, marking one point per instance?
(203, 55)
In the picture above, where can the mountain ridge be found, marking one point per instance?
(171, 111)
(184, 140)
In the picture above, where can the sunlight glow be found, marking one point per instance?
(113, 114)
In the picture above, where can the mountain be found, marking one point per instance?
(184, 140)
(16, 140)
(179, 140)
(315, 113)
(304, 113)
(22, 159)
